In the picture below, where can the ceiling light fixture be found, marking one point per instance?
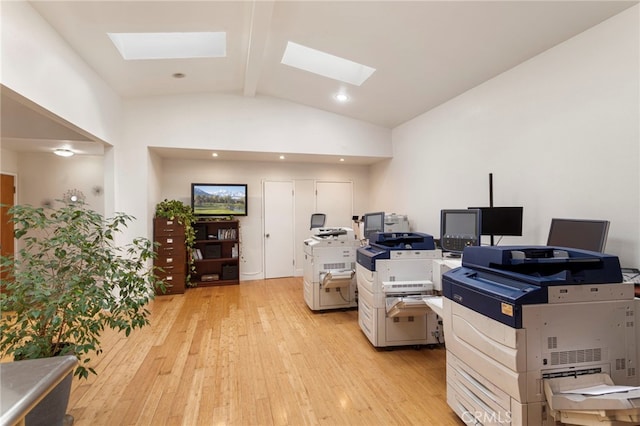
(282, 157)
(342, 160)
(325, 64)
(63, 152)
(177, 45)
(341, 97)
(215, 154)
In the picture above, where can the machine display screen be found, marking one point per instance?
(501, 220)
(580, 234)
(373, 222)
(462, 224)
(459, 229)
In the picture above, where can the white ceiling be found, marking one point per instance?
(424, 52)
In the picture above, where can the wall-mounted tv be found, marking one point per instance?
(219, 199)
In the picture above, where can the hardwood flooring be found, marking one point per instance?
(255, 354)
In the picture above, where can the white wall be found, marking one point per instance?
(8, 161)
(45, 177)
(253, 124)
(177, 176)
(560, 133)
(39, 65)
(227, 122)
(31, 49)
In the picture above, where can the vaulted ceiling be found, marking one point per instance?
(424, 52)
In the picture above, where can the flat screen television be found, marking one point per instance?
(219, 199)
(501, 221)
(579, 233)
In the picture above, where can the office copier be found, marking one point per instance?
(540, 334)
(329, 269)
(394, 275)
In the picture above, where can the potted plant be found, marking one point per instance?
(69, 280)
(183, 214)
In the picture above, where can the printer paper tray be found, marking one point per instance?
(409, 306)
(337, 278)
(578, 409)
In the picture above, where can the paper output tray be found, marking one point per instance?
(406, 306)
(579, 409)
(336, 279)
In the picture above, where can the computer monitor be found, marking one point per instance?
(578, 233)
(317, 220)
(373, 222)
(459, 229)
(501, 221)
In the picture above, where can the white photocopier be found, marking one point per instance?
(395, 275)
(541, 336)
(329, 269)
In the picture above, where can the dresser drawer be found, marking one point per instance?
(170, 240)
(176, 263)
(162, 226)
(172, 251)
(174, 282)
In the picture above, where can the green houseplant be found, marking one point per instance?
(69, 281)
(179, 211)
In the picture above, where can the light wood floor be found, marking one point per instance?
(255, 354)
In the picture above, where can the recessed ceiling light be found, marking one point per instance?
(341, 97)
(134, 46)
(325, 64)
(342, 159)
(215, 154)
(63, 152)
(282, 157)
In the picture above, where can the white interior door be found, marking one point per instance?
(335, 199)
(278, 229)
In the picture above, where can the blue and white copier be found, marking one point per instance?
(394, 275)
(532, 330)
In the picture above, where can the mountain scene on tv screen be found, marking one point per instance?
(219, 200)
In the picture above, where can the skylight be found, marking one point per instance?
(326, 65)
(170, 45)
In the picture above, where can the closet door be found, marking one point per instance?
(7, 196)
(278, 229)
(335, 199)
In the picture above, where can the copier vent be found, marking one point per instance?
(328, 266)
(552, 342)
(621, 364)
(578, 356)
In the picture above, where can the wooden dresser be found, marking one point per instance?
(172, 255)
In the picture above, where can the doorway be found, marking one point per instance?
(288, 206)
(278, 229)
(7, 200)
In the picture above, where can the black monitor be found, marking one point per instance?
(317, 220)
(501, 221)
(578, 233)
(459, 229)
(373, 222)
